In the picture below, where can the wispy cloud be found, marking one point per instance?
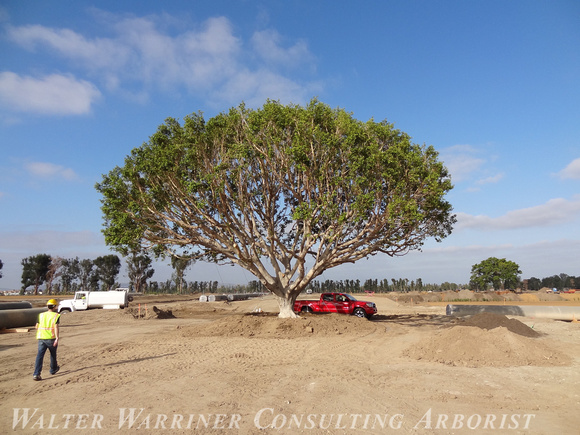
(554, 212)
(47, 240)
(52, 94)
(209, 60)
(491, 180)
(462, 161)
(268, 45)
(572, 171)
(50, 171)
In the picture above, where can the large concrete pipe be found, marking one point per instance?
(244, 296)
(19, 318)
(540, 312)
(215, 298)
(15, 305)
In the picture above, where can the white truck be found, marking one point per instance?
(86, 300)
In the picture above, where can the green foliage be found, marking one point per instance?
(500, 273)
(34, 271)
(107, 269)
(560, 282)
(179, 265)
(267, 188)
(71, 270)
(139, 270)
(88, 277)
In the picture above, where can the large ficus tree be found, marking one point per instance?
(285, 192)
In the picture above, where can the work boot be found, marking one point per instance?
(37, 378)
(56, 371)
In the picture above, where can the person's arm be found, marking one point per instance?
(56, 334)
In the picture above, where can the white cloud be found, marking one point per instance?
(98, 52)
(52, 94)
(554, 212)
(262, 85)
(572, 171)
(491, 180)
(50, 171)
(462, 161)
(210, 60)
(267, 45)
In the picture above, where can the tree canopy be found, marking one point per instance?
(34, 271)
(284, 191)
(499, 272)
(107, 269)
(139, 270)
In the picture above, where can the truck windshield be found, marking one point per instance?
(352, 298)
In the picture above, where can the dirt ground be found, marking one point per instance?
(176, 365)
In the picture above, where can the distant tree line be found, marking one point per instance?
(500, 274)
(384, 285)
(559, 282)
(68, 275)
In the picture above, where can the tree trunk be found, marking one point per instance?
(286, 307)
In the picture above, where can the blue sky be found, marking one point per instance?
(494, 86)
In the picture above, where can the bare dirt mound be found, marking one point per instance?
(492, 320)
(270, 326)
(474, 346)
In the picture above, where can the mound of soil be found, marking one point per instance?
(487, 339)
(465, 295)
(492, 320)
(406, 298)
(163, 314)
(268, 325)
(475, 347)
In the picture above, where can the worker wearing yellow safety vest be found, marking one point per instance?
(47, 334)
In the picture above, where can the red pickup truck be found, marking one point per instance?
(337, 303)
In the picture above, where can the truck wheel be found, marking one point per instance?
(307, 310)
(359, 312)
(64, 310)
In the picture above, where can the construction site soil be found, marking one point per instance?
(172, 364)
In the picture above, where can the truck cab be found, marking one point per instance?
(78, 303)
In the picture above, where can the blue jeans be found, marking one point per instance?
(42, 346)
